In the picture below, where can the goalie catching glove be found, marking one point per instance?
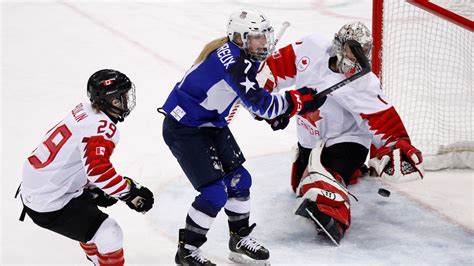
(398, 162)
(325, 197)
(139, 198)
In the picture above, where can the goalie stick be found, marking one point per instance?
(361, 59)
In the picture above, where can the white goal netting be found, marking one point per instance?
(426, 70)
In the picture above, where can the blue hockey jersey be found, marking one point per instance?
(209, 89)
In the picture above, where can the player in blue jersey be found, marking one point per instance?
(197, 133)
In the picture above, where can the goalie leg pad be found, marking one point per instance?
(300, 162)
(325, 224)
(328, 199)
(328, 194)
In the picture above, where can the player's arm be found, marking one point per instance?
(262, 103)
(96, 151)
(279, 71)
(389, 136)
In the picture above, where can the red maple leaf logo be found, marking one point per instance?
(312, 117)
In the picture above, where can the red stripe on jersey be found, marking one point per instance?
(120, 189)
(100, 169)
(106, 176)
(282, 63)
(114, 182)
(386, 123)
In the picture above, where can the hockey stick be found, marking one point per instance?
(361, 59)
(280, 33)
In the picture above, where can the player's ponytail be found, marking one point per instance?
(211, 46)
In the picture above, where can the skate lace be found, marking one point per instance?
(197, 255)
(249, 243)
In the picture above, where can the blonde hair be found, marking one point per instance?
(211, 46)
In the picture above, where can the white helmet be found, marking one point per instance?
(245, 23)
(356, 31)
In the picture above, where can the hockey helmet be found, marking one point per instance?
(106, 86)
(247, 23)
(356, 31)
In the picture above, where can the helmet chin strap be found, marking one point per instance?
(117, 113)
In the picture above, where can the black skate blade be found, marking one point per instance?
(321, 227)
(301, 211)
(246, 260)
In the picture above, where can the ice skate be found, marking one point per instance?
(246, 249)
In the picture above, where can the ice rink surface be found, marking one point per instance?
(49, 50)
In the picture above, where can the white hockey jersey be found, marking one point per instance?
(73, 154)
(358, 112)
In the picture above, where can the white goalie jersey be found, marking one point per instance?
(72, 155)
(353, 113)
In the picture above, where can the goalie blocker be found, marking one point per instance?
(324, 199)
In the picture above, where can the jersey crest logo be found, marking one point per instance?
(303, 63)
(100, 151)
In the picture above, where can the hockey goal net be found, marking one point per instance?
(423, 55)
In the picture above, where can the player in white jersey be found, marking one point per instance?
(69, 174)
(341, 131)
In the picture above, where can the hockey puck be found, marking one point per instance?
(384, 192)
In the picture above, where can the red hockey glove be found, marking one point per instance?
(301, 101)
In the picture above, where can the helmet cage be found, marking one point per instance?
(127, 101)
(246, 25)
(356, 31)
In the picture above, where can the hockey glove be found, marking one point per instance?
(401, 162)
(101, 198)
(301, 101)
(139, 198)
(279, 122)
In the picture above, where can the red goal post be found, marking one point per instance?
(423, 55)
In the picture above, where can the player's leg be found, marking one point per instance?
(324, 198)
(244, 248)
(82, 220)
(196, 152)
(346, 159)
(199, 219)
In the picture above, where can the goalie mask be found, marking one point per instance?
(346, 62)
(251, 31)
(112, 92)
